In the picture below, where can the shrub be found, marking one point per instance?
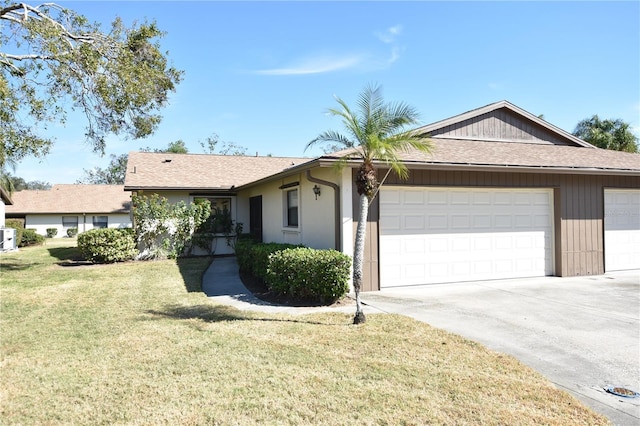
(164, 229)
(253, 257)
(72, 232)
(107, 245)
(18, 225)
(52, 232)
(310, 274)
(30, 238)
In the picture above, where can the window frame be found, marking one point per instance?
(215, 199)
(289, 208)
(65, 224)
(97, 223)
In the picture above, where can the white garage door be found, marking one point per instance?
(438, 235)
(621, 229)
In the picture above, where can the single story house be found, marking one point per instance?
(62, 207)
(502, 194)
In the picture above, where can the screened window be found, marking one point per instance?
(100, 221)
(69, 222)
(220, 221)
(292, 208)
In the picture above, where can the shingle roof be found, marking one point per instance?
(466, 153)
(72, 199)
(150, 170)
(483, 153)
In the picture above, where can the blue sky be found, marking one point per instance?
(262, 74)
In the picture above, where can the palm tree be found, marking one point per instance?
(376, 132)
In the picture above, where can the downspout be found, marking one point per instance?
(336, 193)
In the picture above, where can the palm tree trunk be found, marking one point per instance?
(358, 257)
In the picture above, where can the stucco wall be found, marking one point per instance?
(316, 226)
(2, 213)
(40, 222)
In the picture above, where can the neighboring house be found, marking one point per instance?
(503, 194)
(72, 206)
(6, 201)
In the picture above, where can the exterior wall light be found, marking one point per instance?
(316, 190)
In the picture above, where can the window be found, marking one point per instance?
(292, 208)
(100, 221)
(220, 221)
(69, 222)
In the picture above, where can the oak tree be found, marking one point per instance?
(53, 60)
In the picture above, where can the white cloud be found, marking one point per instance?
(390, 34)
(315, 65)
(395, 54)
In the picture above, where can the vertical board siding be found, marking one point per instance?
(500, 124)
(578, 212)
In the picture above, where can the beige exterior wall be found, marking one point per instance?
(317, 218)
(2, 214)
(40, 222)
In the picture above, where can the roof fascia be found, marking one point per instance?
(6, 197)
(290, 171)
(522, 169)
(498, 105)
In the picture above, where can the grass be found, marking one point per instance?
(137, 343)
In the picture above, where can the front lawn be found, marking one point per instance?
(138, 343)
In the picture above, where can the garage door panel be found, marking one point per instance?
(622, 229)
(475, 234)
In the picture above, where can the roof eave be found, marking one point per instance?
(5, 197)
(287, 172)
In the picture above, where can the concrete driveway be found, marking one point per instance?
(582, 333)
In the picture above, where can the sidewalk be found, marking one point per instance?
(221, 283)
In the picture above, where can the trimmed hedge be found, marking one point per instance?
(108, 245)
(72, 232)
(253, 257)
(311, 274)
(30, 238)
(52, 232)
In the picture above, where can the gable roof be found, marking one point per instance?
(63, 199)
(513, 124)
(496, 137)
(151, 170)
(500, 136)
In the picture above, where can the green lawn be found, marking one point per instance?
(137, 343)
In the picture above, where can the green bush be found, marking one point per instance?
(30, 238)
(52, 232)
(254, 257)
(310, 274)
(72, 232)
(243, 253)
(107, 245)
(18, 225)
